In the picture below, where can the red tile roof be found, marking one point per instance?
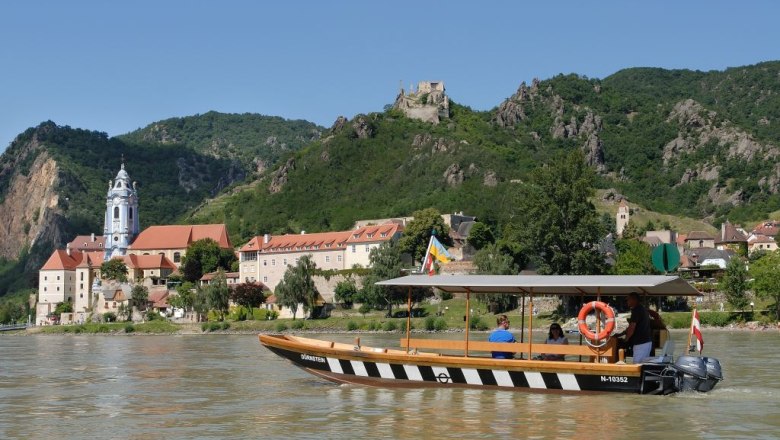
(60, 260)
(761, 239)
(210, 276)
(730, 233)
(85, 243)
(323, 240)
(148, 262)
(180, 236)
(699, 235)
(769, 227)
(159, 298)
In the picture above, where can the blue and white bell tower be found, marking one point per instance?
(121, 223)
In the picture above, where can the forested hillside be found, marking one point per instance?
(696, 144)
(256, 141)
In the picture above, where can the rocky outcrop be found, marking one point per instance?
(421, 139)
(339, 124)
(362, 127)
(453, 175)
(159, 133)
(490, 179)
(30, 213)
(281, 176)
(699, 127)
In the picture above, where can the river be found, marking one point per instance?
(229, 387)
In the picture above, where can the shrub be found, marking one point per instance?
(272, 314)
(238, 313)
(716, 319)
(129, 328)
(298, 324)
(225, 325)
(389, 326)
(403, 326)
(281, 326)
(259, 314)
(477, 323)
(374, 326)
(151, 315)
(363, 309)
(430, 323)
(109, 317)
(441, 324)
(352, 326)
(102, 328)
(204, 327)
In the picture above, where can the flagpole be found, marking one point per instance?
(690, 333)
(427, 254)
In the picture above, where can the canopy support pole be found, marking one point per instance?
(530, 322)
(522, 318)
(598, 325)
(408, 316)
(468, 317)
(582, 304)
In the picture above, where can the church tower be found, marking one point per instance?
(121, 222)
(622, 218)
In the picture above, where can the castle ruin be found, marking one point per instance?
(428, 103)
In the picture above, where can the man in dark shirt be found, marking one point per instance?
(638, 334)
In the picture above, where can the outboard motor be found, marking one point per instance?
(714, 375)
(693, 372)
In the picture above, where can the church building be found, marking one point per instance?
(73, 276)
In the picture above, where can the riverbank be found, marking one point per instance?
(299, 326)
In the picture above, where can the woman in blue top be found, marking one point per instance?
(502, 334)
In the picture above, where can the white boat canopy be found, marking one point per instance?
(591, 285)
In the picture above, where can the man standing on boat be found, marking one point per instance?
(502, 334)
(638, 334)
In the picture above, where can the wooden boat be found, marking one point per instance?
(595, 366)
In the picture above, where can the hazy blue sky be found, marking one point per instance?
(117, 66)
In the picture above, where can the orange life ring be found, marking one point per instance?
(603, 308)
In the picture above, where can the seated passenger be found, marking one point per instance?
(502, 334)
(555, 336)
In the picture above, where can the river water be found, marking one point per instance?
(220, 387)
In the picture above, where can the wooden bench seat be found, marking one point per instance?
(609, 351)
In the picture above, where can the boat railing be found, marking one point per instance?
(608, 351)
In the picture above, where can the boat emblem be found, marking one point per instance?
(443, 378)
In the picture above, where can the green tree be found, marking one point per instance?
(218, 294)
(559, 224)
(631, 231)
(417, 233)
(63, 307)
(633, 258)
(297, 286)
(491, 261)
(766, 278)
(140, 297)
(114, 269)
(286, 296)
(735, 284)
(205, 256)
(249, 295)
(480, 235)
(184, 298)
(346, 291)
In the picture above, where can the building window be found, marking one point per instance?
(116, 213)
(249, 256)
(82, 276)
(177, 257)
(45, 278)
(327, 258)
(105, 305)
(265, 262)
(44, 289)
(130, 213)
(339, 258)
(285, 261)
(265, 279)
(368, 248)
(100, 244)
(354, 248)
(58, 277)
(273, 262)
(58, 288)
(81, 286)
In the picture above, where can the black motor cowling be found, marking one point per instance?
(714, 375)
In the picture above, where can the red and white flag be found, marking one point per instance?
(696, 331)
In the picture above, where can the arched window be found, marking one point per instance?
(116, 213)
(177, 257)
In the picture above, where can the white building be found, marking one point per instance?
(265, 258)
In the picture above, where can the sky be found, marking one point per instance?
(118, 66)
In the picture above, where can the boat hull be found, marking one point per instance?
(343, 363)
